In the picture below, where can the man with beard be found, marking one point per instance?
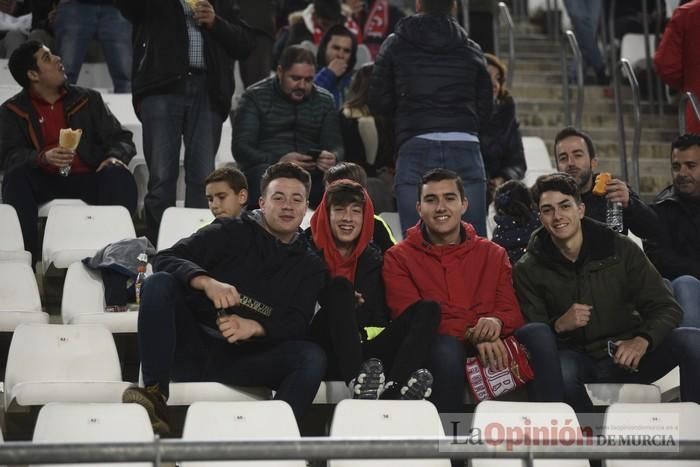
(575, 154)
(287, 118)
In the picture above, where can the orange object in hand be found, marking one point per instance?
(600, 181)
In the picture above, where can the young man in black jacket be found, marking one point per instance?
(232, 304)
(37, 169)
(182, 83)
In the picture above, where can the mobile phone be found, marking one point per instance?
(612, 349)
(314, 153)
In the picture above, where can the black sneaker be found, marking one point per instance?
(370, 381)
(151, 399)
(418, 386)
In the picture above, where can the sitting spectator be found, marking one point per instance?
(78, 22)
(232, 304)
(33, 160)
(353, 324)
(442, 259)
(383, 237)
(677, 253)
(377, 20)
(676, 60)
(515, 218)
(287, 118)
(575, 154)
(501, 143)
(598, 310)
(227, 192)
(335, 59)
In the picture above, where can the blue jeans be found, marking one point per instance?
(585, 18)
(446, 363)
(168, 119)
(418, 155)
(173, 346)
(686, 290)
(77, 24)
(563, 374)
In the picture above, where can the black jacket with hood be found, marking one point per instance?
(432, 78)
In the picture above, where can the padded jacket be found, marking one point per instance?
(502, 144)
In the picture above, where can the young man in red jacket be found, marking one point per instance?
(443, 259)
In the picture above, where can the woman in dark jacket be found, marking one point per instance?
(501, 143)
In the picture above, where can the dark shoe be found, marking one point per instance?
(370, 381)
(151, 399)
(418, 386)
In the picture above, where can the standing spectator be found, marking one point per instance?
(30, 123)
(377, 20)
(585, 18)
(432, 78)
(287, 118)
(260, 15)
(501, 143)
(182, 86)
(677, 61)
(335, 62)
(17, 31)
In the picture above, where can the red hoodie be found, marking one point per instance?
(469, 280)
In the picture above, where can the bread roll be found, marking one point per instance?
(69, 138)
(600, 181)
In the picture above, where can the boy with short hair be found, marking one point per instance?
(227, 192)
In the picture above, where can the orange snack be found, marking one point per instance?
(69, 138)
(600, 181)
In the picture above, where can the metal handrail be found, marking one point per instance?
(615, 72)
(657, 40)
(578, 60)
(647, 56)
(465, 14)
(636, 139)
(504, 14)
(687, 97)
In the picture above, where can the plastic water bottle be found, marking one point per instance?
(613, 216)
(140, 276)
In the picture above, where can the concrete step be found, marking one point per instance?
(593, 119)
(600, 135)
(537, 65)
(655, 175)
(551, 105)
(555, 92)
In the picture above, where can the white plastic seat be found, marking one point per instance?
(46, 208)
(76, 232)
(611, 393)
(62, 363)
(224, 421)
(517, 414)
(19, 297)
(377, 418)
(189, 393)
(677, 420)
(632, 48)
(537, 159)
(394, 222)
(179, 223)
(11, 240)
(84, 301)
(362, 56)
(60, 423)
(332, 392)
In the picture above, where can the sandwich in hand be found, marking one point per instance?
(69, 138)
(600, 181)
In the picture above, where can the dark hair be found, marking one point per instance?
(514, 199)
(440, 7)
(502, 71)
(22, 60)
(561, 182)
(346, 170)
(342, 31)
(285, 170)
(342, 194)
(685, 141)
(231, 175)
(296, 54)
(358, 91)
(571, 131)
(328, 9)
(438, 175)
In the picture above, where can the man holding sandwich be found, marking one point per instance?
(43, 159)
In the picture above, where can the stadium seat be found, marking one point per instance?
(20, 301)
(75, 232)
(11, 240)
(377, 418)
(677, 420)
(537, 159)
(394, 223)
(45, 208)
(632, 48)
(610, 393)
(332, 392)
(362, 56)
(179, 223)
(61, 423)
(306, 221)
(84, 301)
(521, 414)
(62, 363)
(222, 421)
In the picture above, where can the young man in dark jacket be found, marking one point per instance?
(598, 310)
(37, 169)
(182, 83)
(353, 323)
(232, 303)
(432, 79)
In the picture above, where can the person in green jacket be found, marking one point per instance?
(598, 310)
